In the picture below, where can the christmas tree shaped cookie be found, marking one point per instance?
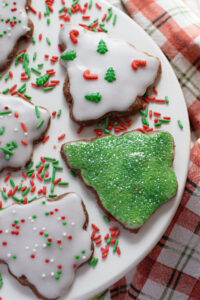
(22, 124)
(105, 76)
(131, 174)
(14, 25)
(43, 243)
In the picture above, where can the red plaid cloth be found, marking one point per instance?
(172, 268)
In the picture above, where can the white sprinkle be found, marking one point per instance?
(51, 260)
(34, 228)
(13, 212)
(9, 255)
(43, 275)
(52, 273)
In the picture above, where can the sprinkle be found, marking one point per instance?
(114, 20)
(39, 124)
(180, 124)
(62, 136)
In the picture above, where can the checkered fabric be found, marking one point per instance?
(172, 269)
(175, 27)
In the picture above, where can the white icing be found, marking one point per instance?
(118, 95)
(22, 245)
(9, 39)
(26, 111)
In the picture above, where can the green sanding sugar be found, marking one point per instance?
(132, 173)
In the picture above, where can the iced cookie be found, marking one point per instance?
(43, 243)
(131, 174)
(14, 26)
(22, 124)
(105, 76)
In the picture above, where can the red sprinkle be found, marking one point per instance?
(61, 136)
(73, 33)
(45, 139)
(95, 227)
(25, 143)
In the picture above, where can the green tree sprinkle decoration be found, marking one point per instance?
(110, 75)
(102, 48)
(94, 97)
(69, 55)
(42, 79)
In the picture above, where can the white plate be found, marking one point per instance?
(89, 281)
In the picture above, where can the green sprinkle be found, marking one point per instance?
(2, 130)
(47, 178)
(64, 223)
(114, 20)
(90, 4)
(26, 191)
(166, 99)
(107, 131)
(83, 251)
(29, 165)
(48, 243)
(108, 240)
(95, 262)
(57, 277)
(58, 168)
(59, 272)
(5, 150)
(62, 8)
(36, 71)
(37, 112)
(3, 194)
(46, 234)
(34, 56)
(164, 120)
(7, 77)
(77, 256)
(180, 124)
(106, 219)
(115, 246)
(157, 124)
(53, 175)
(49, 88)
(91, 261)
(73, 173)
(16, 198)
(40, 65)
(52, 195)
(14, 256)
(33, 40)
(63, 183)
(69, 11)
(12, 183)
(19, 186)
(49, 158)
(32, 199)
(69, 55)
(34, 216)
(5, 91)
(1, 281)
(27, 96)
(109, 15)
(22, 88)
(39, 124)
(48, 21)
(52, 188)
(48, 41)
(59, 113)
